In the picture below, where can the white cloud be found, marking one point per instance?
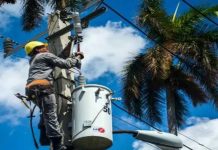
(13, 10)
(107, 47)
(195, 120)
(12, 80)
(8, 12)
(203, 131)
(133, 121)
(140, 145)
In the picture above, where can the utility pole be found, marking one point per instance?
(58, 39)
(64, 79)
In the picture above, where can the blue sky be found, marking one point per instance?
(116, 43)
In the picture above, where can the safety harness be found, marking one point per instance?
(39, 82)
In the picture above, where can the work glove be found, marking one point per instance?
(79, 55)
(78, 64)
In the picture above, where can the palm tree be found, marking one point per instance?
(33, 10)
(157, 78)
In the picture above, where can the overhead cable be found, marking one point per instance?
(144, 33)
(121, 108)
(126, 122)
(135, 26)
(208, 18)
(195, 141)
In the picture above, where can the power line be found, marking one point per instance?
(32, 39)
(191, 6)
(144, 33)
(195, 141)
(119, 107)
(124, 121)
(161, 46)
(132, 24)
(135, 116)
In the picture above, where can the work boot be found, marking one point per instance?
(56, 144)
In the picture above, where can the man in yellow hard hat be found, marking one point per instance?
(39, 85)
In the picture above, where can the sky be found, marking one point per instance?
(108, 43)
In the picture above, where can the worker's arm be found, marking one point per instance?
(62, 63)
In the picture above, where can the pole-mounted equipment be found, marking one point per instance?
(8, 46)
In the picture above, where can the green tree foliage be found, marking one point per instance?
(156, 78)
(34, 10)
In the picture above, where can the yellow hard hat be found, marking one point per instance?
(33, 44)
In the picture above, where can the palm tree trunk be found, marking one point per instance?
(171, 114)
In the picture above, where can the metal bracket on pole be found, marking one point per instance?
(84, 21)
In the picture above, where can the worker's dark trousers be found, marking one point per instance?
(45, 99)
(49, 111)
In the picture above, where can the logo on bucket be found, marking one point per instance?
(101, 130)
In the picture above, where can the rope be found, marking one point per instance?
(31, 127)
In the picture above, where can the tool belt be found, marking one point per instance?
(38, 88)
(39, 83)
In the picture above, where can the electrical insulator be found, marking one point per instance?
(77, 23)
(8, 46)
(82, 80)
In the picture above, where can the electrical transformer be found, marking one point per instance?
(91, 117)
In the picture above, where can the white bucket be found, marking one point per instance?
(92, 117)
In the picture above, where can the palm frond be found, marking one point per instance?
(32, 15)
(74, 5)
(7, 1)
(188, 84)
(191, 18)
(181, 108)
(152, 100)
(132, 79)
(197, 91)
(207, 57)
(203, 53)
(154, 18)
(202, 64)
(211, 35)
(142, 86)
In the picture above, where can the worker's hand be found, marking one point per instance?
(79, 55)
(78, 63)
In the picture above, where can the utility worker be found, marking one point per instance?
(39, 85)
